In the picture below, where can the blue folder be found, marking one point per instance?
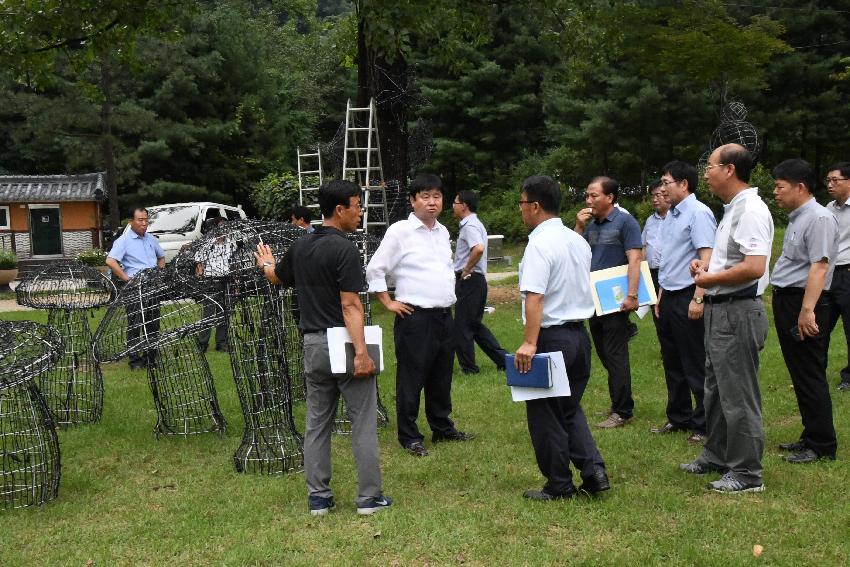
(539, 376)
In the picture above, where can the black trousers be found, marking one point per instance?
(424, 349)
(142, 325)
(683, 355)
(469, 310)
(611, 339)
(557, 426)
(839, 296)
(806, 361)
(210, 309)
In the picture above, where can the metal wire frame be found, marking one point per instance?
(66, 284)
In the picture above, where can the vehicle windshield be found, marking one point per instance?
(180, 218)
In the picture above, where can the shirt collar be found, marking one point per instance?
(611, 216)
(741, 196)
(417, 224)
(659, 217)
(554, 221)
(134, 234)
(802, 208)
(835, 205)
(683, 205)
(466, 219)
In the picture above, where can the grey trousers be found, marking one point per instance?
(735, 332)
(360, 394)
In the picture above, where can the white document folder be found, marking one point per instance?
(338, 336)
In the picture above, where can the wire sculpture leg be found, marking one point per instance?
(30, 466)
(184, 391)
(73, 387)
(270, 444)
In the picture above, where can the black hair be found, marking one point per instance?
(468, 198)
(423, 182)
(796, 170)
(610, 186)
(543, 190)
(740, 157)
(842, 167)
(654, 184)
(302, 212)
(337, 192)
(682, 171)
(135, 210)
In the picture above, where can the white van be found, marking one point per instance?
(175, 225)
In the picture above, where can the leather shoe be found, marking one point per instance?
(697, 438)
(794, 446)
(417, 449)
(470, 370)
(596, 482)
(452, 436)
(667, 428)
(543, 496)
(806, 456)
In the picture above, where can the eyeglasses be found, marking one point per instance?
(829, 180)
(711, 166)
(665, 183)
(521, 203)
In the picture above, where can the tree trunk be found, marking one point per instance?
(107, 143)
(387, 83)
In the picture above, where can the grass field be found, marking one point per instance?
(128, 499)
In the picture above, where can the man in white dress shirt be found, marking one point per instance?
(416, 253)
(838, 187)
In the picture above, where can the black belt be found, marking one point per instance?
(842, 267)
(690, 289)
(457, 274)
(319, 332)
(713, 299)
(567, 325)
(430, 309)
(789, 291)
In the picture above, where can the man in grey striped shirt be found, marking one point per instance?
(734, 278)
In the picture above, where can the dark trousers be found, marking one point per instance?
(142, 326)
(611, 339)
(210, 309)
(839, 297)
(424, 349)
(806, 361)
(469, 310)
(558, 427)
(683, 355)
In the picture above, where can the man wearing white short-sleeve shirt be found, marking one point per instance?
(554, 282)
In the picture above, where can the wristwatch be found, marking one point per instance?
(698, 300)
(632, 295)
(268, 264)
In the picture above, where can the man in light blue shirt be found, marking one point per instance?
(652, 236)
(688, 236)
(136, 250)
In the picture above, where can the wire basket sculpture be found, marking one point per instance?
(262, 332)
(30, 463)
(157, 317)
(366, 244)
(733, 129)
(73, 387)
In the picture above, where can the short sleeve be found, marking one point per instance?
(160, 253)
(703, 228)
(754, 234)
(350, 274)
(535, 271)
(822, 239)
(643, 233)
(473, 234)
(119, 248)
(631, 233)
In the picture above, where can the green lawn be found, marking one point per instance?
(126, 498)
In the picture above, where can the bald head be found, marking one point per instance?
(738, 156)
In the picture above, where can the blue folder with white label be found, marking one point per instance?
(539, 376)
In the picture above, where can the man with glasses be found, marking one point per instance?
(470, 267)
(688, 236)
(137, 250)
(801, 307)
(838, 187)
(652, 235)
(615, 240)
(416, 253)
(735, 325)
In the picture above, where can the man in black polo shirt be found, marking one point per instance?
(325, 269)
(614, 238)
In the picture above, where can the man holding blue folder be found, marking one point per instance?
(554, 281)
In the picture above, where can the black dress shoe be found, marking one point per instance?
(596, 483)
(452, 436)
(417, 449)
(470, 370)
(806, 456)
(795, 446)
(543, 496)
(667, 428)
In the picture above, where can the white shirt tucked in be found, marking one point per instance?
(420, 261)
(556, 263)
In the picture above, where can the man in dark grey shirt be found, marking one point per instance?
(801, 311)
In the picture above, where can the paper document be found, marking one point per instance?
(642, 311)
(609, 288)
(560, 382)
(338, 336)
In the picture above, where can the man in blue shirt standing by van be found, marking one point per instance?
(136, 250)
